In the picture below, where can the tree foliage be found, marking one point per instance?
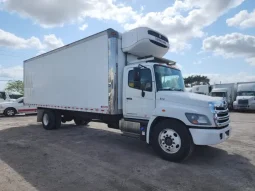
(196, 80)
(15, 86)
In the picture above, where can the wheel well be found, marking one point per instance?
(11, 108)
(159, 119)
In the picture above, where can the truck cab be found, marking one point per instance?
(142, 80)
(154, 95)
(222, 93)
(245, 99)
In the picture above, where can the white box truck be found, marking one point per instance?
(111, 76)
(245, 99)
(202, 89)
(226, 91)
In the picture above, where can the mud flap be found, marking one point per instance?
(143, 132)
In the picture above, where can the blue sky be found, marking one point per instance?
(214, 38)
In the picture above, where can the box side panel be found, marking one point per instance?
(75, 77)
(121, 65)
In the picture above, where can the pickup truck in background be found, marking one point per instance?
(11, 108)
(9, 96)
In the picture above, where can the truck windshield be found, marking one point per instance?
(246, 93)
(218, 94)
(168, 79)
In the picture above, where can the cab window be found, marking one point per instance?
(145, 82)
(2, 95)
(15, 96)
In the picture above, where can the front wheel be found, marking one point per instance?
(172, 140)
(9, 112)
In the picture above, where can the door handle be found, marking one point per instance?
(129, 98)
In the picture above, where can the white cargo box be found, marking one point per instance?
(81, 76)
(144, 41)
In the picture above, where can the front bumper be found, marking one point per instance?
(1, 111)
(210, 136)
(244, 107)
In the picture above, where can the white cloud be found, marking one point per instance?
(231, 46)
(180, 66)
(243, 19)
(2, 85)
(223, 78)
(10, 73)
(52, 42)
(10, 40)
(83, 27)
(182, 21)
(142, 8)
(201, 60)
(59, 12)
(180, 29)
(15, 72)
(197, 62)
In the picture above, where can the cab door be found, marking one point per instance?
(22, 108)
(139, 96)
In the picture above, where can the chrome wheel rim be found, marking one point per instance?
(10, 112)
(169, 141)
(45, 119)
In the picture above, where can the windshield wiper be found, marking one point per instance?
(175, 89)
(171, 89)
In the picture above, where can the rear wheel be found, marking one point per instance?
(9, 112)
(172, 140)
(51, 119)
(81, 122)
(113, 125)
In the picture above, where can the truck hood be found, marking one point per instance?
(187, 98)
(7, 103)
(244, 97)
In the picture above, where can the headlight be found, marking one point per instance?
(212, 107)
(198, 119)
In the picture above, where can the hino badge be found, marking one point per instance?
(111, 76)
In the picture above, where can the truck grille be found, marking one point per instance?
(221, 116)
(243, 101)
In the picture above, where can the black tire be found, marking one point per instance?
(53, 120)
(187, 145)
(80, 122)
(58, 119)
(113, 126)
(10, 112)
